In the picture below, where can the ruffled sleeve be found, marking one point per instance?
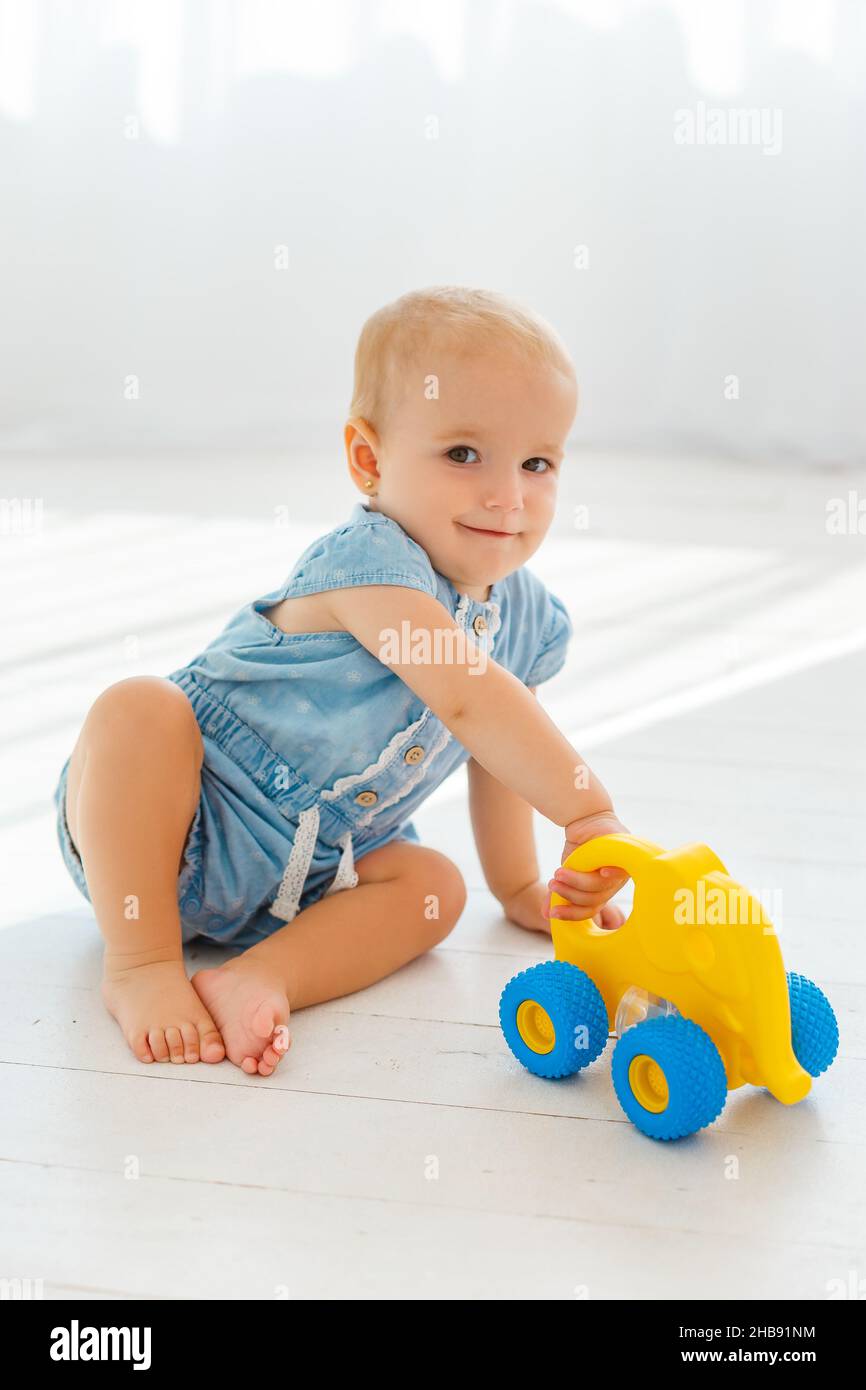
(370, 549)
(551, 653)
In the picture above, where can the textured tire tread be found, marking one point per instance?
(814, 1030)
(692, 1065)
(571, 998)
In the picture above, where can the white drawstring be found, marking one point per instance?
(346, 876)
(285, 904)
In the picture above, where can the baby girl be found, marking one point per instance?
(261, 795)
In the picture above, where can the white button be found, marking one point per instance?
(367, 798)
(480, 624)
(413, 754)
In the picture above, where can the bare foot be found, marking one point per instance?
(250, 1005)
(160, 1014)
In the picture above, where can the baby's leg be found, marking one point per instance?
(407, 899)
(132, 791)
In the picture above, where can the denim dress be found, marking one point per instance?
(315, 751)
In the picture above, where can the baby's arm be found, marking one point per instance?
(495, 717)
(504, 832)
(489, 710)
(505, 839)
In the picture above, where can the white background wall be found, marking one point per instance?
(393, 145)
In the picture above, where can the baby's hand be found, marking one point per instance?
(588, 892)
(530, 908)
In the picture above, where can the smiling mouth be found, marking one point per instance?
(482, 531)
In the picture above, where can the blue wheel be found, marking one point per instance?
(553, 1018)
(669, 1077)
(814, 1030)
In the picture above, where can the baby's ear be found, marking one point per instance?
(362, 450)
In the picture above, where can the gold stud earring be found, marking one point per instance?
(369, 483)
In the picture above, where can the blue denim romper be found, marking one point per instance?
(316, 752)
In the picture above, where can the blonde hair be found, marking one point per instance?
(393, 339)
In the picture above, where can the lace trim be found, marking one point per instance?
(387, 755)
(461, 612)
(285, 904)
(405, 787)
(494, 623)
(346, 875)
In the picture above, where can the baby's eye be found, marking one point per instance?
(546, 469)
(460, 449)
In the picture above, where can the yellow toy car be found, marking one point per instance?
(693, 984)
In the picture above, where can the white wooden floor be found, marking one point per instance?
(716, 683)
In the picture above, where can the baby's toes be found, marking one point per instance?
(189, 1033)
(158, 1046)
(175, 1044)
(140, 1047)
(250, 1065)
(270, 1057)
(211, 1046)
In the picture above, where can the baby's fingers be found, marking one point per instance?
(594, 882)
(564, 912)
(587, 903)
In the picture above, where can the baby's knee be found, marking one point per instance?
(143, 708)
(444, 893)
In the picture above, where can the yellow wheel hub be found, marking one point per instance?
(648, 1083)
(535, 1027)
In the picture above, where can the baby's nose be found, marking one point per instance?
(502, 497)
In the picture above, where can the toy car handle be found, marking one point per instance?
(619, 851)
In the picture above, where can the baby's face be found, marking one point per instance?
(472, 475)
